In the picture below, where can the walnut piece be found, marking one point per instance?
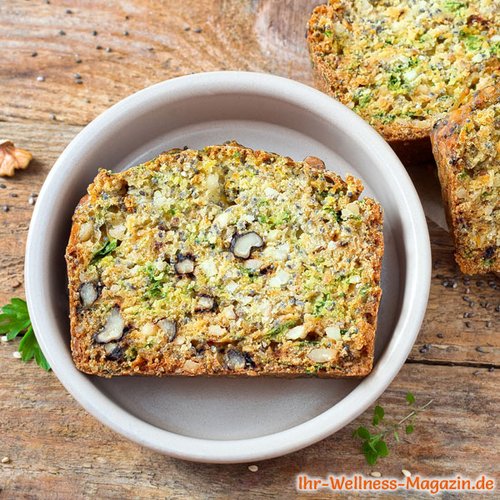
(12, 158)
(315, 162)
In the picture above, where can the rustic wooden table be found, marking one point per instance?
(62, 63)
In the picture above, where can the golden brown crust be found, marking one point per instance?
(172, 364)
(450, 139)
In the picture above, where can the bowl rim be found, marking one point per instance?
(416, 280)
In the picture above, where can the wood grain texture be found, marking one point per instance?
(60, 449)
(56, 449)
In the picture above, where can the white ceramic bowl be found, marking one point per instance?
(225, 419)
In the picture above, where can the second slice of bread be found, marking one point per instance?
(400, 64)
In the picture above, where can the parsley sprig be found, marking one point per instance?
(374, 444)
(15, 321)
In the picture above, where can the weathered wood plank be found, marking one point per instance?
(235, 34)
(56, 447)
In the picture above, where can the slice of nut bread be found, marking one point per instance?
(402, 64)
(466, 146)
(225, 261)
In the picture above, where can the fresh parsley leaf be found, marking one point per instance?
(15, 321)
(14, 318)
(374, 446)
(378, 414)
(381, 447)
(108, 247)
(410, 398)
(362, 432)
(370, 454)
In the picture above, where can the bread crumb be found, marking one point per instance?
(253, 468)
(375, 474)
(16, 354)
(6, 460)
(406, 473)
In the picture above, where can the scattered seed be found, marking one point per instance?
(449, 283)
(78, 60)
(466, 281)
(466, 299)
(40, 78)
(98, 47)
(467, 324)
(62, 32)
(52, 116)
(481, 349)
(484, 304)
(94, 33)
(467, 290)
(479, 283)
(198, 30)
(126, 33)
(492, 284)
(468, 314)
(32, 200)
(69, 11)
(253, 468)
(440, 336)
(497, 308)
(6, 460)
(472, 303)
(109, 49)
(5, 208)
(476, 373)
(487, 324)
(127, 18)
(187, 28)
(491, 369)
(2, 186)
(13, 195)
(375, 474)
(16, 354)
(406, 473)
(425, 348)
(34, 54)
(151, 49)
